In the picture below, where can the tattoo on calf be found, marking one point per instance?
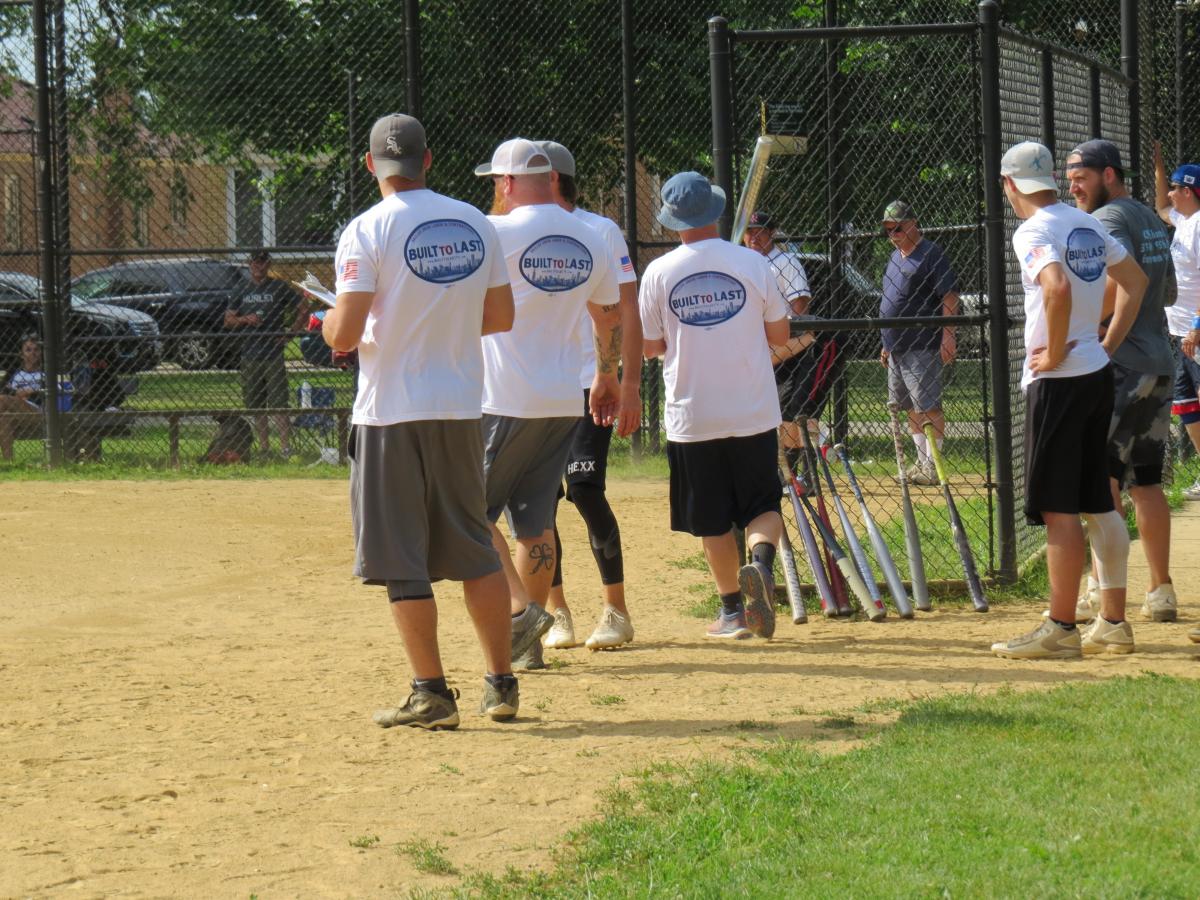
(542, 556)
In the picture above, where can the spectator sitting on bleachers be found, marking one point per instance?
(21, 396)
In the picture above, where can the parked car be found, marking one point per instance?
(120, 339)
(187, 297)
(316, 352)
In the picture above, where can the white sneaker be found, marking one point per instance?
(561, 635)
(614, 629)
(1048, 641)
(1103, 636)
(1161, 605)
(1087, 607)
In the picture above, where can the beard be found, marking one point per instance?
(1098, 199)
(499, 202)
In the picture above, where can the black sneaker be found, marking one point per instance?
(531, 658)
(500, 704)
(423, 709)
(528, 628)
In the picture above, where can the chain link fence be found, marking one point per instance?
(182, 136)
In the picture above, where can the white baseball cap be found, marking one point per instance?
(517, 156)
(1031, 167)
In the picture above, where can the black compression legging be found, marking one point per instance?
(603, 534)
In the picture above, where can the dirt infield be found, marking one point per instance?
(189, 670)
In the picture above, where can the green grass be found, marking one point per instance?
(1083, 791)
(427, 857)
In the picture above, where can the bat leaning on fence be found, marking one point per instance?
(836, 581)
(809, 540)
(840, 559)
(912, 534)
(956, 527)
(875, 610)
(890, 573)
(791, 578)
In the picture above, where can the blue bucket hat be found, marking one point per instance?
(690, 201)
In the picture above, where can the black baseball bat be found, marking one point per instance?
(912, 534)
(956, 526)
(890, 574)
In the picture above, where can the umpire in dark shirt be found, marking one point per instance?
(918, 282)
(264, 310)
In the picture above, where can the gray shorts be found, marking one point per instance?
(1141, 427)
(523, 462)
(915, 379)
(416, 503)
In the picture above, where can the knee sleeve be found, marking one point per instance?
(1110, 546)
(603, 532)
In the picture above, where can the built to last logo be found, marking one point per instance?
(707, 298)
(443, 251)
(556, 263)
(1086, 253)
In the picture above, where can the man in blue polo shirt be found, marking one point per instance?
(918, 282)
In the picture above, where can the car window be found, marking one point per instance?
(90, 286)
(19, 285)
(209, 277)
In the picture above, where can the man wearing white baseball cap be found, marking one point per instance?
(587, 462)
(713, 310)
(559, 267)
(1065, 256)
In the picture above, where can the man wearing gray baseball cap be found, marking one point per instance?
(713, 311)
(1065, 256)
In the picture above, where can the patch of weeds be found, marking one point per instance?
(881, 704)
(449, 769)
(542, 705)
(587, 753)
(752, 725)
(364, 841)
(705, 606)
(427, 857)
(695, 561)
(607, 700)
(838, 722)
(556, 664)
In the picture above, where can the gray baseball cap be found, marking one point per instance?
(398, 146)
(561, 160)
(1030, 166)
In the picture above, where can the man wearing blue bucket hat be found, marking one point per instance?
(713, 310)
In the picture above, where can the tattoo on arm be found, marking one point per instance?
(542, 556)
(608, 352)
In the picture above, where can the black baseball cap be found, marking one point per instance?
(761, 219)
(1096, 154)
(260, 255)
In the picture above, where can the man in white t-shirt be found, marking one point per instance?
(561, 271)
(1064, 255)
(1178, 203)
(587, 462)
(419, 278)
(713, 311)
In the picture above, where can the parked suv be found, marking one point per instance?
(187, 297)
(123, 339)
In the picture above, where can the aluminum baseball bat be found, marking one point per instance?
(841, 560)
(912, 534)
(836, 580)
(956, 526)
(811, 550)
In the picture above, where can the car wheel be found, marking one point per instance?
(194, 351)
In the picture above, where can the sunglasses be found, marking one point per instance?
(894, 229)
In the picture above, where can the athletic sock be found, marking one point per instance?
(922, 443)
(764, 553)
(1066, 626)
(432, 685)
(731, 604)
(500, 681)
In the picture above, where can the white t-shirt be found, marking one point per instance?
(709, 300)
(1185, 253)
(1083, 247)
(789, 272)
(557, 265)
(623, 265)
(28, 381)
(429, 260)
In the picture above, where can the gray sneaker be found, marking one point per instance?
(923, 475)
(1048, 641)
(500, 704)
(758, 588)
(531, 658)
(528, 628)
(422, 709)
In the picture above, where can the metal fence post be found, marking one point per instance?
(835, 194)
(1130, 67)
(1180, 53)
(989, 85)
(351, 145)
(720, 75)
(412, 56)
(1046, 89)
(629, 112)
(1094, 120)
(51, 319)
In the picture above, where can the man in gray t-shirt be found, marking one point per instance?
(1143, 370)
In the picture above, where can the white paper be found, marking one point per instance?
(312, 286)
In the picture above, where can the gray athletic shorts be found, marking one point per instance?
(523, 461)
(915, 379)
(416, 503)
(1140, 428)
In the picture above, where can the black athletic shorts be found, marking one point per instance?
(1066, 445)
(718, 484)
(804, 381)
(587, 461)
